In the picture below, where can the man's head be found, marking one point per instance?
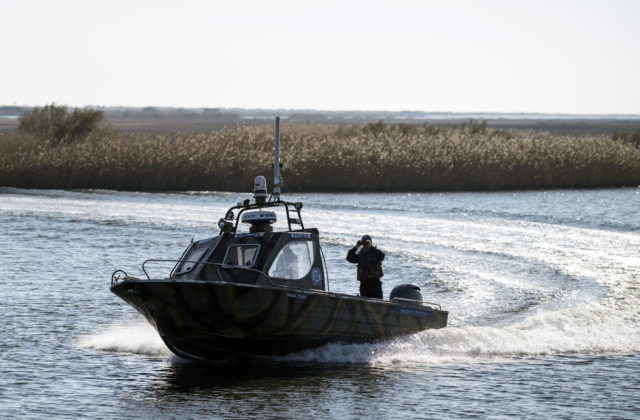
(366, 241)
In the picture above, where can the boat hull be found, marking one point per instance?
(214, 320)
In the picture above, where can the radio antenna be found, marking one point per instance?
(277, 180)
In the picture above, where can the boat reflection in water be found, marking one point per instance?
(262, 291)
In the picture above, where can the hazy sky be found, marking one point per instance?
(462, 56)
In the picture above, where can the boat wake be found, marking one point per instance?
(588, 328)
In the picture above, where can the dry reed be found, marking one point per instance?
(323, 157)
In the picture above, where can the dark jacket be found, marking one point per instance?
(371, 261)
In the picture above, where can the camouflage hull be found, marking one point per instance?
(213, 320)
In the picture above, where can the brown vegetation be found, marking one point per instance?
(58, 124)
(323, 157)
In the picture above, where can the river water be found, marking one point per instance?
(542, 290)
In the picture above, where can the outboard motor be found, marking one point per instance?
(409, 291)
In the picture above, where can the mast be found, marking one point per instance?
(277, 180)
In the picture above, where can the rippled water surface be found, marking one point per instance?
(542, 290)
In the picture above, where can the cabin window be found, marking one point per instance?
(191, 259)
(241, 255)
(294, 261)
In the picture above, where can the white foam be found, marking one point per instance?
(137, 338)
(587, 329)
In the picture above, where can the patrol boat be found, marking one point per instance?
(262, 291)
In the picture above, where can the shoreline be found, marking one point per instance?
(19, 190)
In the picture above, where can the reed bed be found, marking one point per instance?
(323, 157)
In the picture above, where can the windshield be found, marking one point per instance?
(294, 261)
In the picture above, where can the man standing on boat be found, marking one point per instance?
(369, 261)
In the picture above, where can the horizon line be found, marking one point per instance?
(332, 111)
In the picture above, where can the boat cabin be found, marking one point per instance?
(291, 257)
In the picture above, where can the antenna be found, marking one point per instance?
(277, 180)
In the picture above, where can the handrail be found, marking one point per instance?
(415, 301)
(312, 291)
(114, 278)
(217, 265)
(251, 206)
